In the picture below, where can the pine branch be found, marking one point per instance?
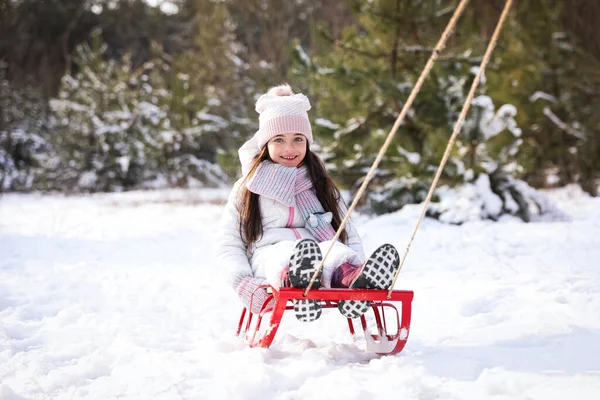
(563, 126)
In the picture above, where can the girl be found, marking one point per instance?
(283, 213)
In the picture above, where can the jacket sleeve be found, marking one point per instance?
(231, 251)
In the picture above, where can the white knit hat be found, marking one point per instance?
(282, 111)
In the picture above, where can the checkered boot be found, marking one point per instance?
(377, 273)
(303, 263)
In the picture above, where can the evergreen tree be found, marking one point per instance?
(239, 49)
(122, 128)
(219, 76)
(24, 149)
(360, 81)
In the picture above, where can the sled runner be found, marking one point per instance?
(392, 327)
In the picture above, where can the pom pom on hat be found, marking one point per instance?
(282, 111)
(281, 90)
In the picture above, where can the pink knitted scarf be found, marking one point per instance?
(293, 187)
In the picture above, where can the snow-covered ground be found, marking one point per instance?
(119, 297)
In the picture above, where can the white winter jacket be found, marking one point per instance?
(269, 256)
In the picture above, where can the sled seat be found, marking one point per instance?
(380, 342)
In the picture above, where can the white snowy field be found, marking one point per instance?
(119, 297)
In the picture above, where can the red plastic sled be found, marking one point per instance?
(381, 342)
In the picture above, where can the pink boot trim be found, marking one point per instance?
(344, 275)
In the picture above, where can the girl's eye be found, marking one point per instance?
(298, 139)
(278, 140)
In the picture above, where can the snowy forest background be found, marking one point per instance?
(105, 95)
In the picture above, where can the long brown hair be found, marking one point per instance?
(251, 228)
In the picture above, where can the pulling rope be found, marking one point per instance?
(434, 56)
(457, 128)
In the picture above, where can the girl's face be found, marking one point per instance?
(287, 149)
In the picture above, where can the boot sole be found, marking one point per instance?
(303, 264)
